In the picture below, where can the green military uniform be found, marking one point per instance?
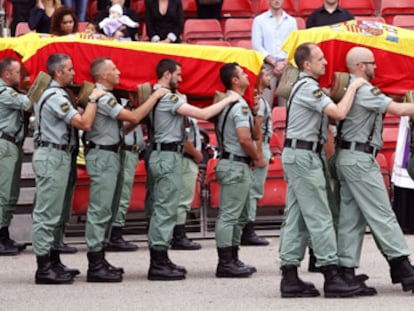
(55, 139)
(165, 166)
(364, 199)
(104, 166)
(189, 174)
(134, 143)
(260, 174)
(12, 105)
(307, 212)
(233, 175)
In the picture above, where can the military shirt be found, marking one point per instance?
(239, 116)
(265, 112)
(135, 137)
(168, 124)
(369, 105)
(12, 105)
(193, 134)
(55, 117)
(306, 111)
(106, 128)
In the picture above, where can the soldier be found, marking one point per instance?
(104, 166)
(264, 129)
(12, 106)
(192, 158)
(165, 165)
(234, 129)
(364, 199)
(307, 213)
(55, 140)
(134, 144)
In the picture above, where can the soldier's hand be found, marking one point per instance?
(233, 97)
(161, 92)
(97, 93)
(261, 163)
(358, 82)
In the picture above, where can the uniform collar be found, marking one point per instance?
(2, 83)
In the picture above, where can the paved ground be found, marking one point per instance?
(200, 291)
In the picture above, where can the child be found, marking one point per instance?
(116, 24)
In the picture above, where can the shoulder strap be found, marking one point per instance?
(40, 111)
(221, 136)
(291, 98)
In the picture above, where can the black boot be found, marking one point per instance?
(57, 263)
(117, 242)
(47, 274)
(66, 249)
(161, 268)
(238, 262)
(227, 267)
(8, 247)
(180, 241)
(402, 272)
(292, 286)
(335, 285)
(113, 268)
(349, 276)
(98, 271)
(249, 236)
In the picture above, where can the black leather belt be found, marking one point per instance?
(363, 147)
(9, 138)
(188, 156)
(230, 156)
(67, 148)
(131, 148)
(113, 148)
(303, 144)
(175, 147)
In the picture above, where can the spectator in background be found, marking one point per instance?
(63, 22)
(270, 30)
(81, 8)
(164, 20)
(40, 15)
(131, 32)
(330, 13)
(209, 8)
(21, 10)
(115, 26)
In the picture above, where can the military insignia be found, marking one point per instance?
(64, 107)
(13, 93)
(375, 91)
(112, 102)
(245, 110)
(174, 98)
(317, 93)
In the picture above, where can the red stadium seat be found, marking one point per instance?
(81, 194)
(211, 42)
(139, 189)
(391, 120)
(82, 26)
(202, 29)
(238, 29)
(383, 164)
(378, 19)
(359, 7)
(189, 8)
(389, 8)
(212, 184)
(279, 121)
(139, 7)
(22, 28)
(259, 6)
(276, 143)
(389, 135)
(247, 44)
(237, 8)
(404, 21)
(275, 186)
(306, 7)
(300, 22)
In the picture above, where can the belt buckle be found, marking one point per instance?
(135, 148)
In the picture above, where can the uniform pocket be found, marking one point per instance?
(229, 173)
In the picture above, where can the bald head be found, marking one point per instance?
(358, 55)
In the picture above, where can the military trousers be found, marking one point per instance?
(105, 173)
(258, 181)
(365, 201)
(307, 214)
(52, 169)
(10, 168)
(235, 180)
(130, 165)
(189, 176)
(166, 171)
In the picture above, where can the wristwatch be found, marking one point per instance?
(92, 100)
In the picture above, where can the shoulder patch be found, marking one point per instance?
(174, 98)
(317, 93)
(13, 93)
(245, 110)
(111, 102)
(64, 107)
(375, 91)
